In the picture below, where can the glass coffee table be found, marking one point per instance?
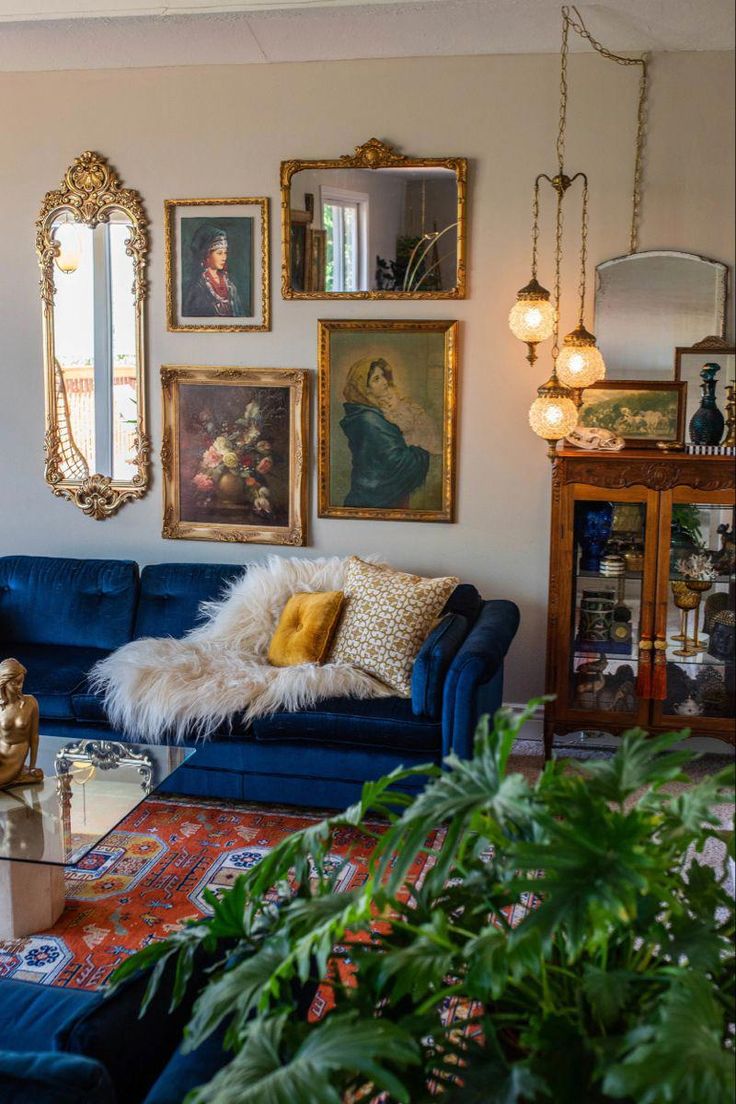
(89, 786)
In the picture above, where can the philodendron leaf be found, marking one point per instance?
(606, 991)
(320, 1068)
(638, 762)
(679, 1058)
(235, 992)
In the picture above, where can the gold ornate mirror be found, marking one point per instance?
(373, 225)
(92, 245)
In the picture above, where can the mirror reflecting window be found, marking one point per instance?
(92, 247)
(647, 304)
(376, 225)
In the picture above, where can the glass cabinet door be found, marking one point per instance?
(611, 605)
(695, 611)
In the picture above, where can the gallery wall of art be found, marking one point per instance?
(222, 132)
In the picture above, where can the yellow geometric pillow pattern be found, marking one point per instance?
(305, 629)
(387, 617)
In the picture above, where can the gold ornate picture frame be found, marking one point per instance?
(234, 454)
(217, 265)
(80, 377)
(375, 155)
(387, 419)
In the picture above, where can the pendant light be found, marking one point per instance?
(535, 315)
(66, 233)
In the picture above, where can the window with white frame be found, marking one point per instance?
(345, 222)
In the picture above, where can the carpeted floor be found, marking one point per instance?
(147, 877)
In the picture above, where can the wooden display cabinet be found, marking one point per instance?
(617, 656)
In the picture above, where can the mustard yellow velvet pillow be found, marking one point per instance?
(305, 629)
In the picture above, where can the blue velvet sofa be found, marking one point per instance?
(59, 616)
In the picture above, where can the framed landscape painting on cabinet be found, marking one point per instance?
(217, 273)
(387, 407)
(234, 454)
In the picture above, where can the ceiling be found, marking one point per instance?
(95, 34)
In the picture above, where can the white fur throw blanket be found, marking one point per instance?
(158, 688)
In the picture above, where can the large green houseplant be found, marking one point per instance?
(619, 985)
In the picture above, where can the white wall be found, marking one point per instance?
(222, 131)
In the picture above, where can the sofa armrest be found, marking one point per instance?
(53, 1078)
(474, 683)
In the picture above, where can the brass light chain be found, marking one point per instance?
(579, 27)
(583, 248)
(566, 23)
(535, 228)
(558, 262)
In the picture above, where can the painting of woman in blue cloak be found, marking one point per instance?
(391, 438)
(387, 419)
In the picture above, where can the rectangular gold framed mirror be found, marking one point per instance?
(374, 225)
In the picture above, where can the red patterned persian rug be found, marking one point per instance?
(147, 878)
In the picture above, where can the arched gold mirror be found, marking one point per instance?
(92, 245)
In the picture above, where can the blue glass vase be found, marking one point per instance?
(707, 423)
(593, 522)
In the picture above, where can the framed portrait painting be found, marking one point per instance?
(234, 454)
(387, 407)
(217, 265)
(643, 412)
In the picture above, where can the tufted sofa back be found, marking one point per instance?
(171, 594)
(84, 603)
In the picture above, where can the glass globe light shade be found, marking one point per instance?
(532, 317)
(70, 247)
(553, 413)
(580, 362)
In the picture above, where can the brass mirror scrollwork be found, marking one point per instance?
(92, 245)
(374, 225)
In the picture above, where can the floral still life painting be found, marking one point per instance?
(387, 420)
(217, 264)
(233, 454)
(643, 412)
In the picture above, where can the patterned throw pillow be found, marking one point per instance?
(386, 619)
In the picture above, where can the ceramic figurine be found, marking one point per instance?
(595, 440)
(589, 681)
(18, 728)
(723, 637)
(707, 423)
(725, 560)
(688, 708)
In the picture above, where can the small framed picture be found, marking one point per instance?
(387, 407)
(217, 265)
(234, 454)
(643, 412)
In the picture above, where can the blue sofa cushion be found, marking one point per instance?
(380, 723)
(432, 663)
(80, 603)
(186, 1071)
(51, 1078)
(465, 600)
(30, 1013)
(54, 674)
(172, 593)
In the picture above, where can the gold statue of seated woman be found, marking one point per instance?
(18, 728)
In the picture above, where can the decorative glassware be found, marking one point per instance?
(707, 423)
(685, 600)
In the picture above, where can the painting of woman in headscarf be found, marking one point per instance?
(216, 267)
(386, 419)
(217, 274)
